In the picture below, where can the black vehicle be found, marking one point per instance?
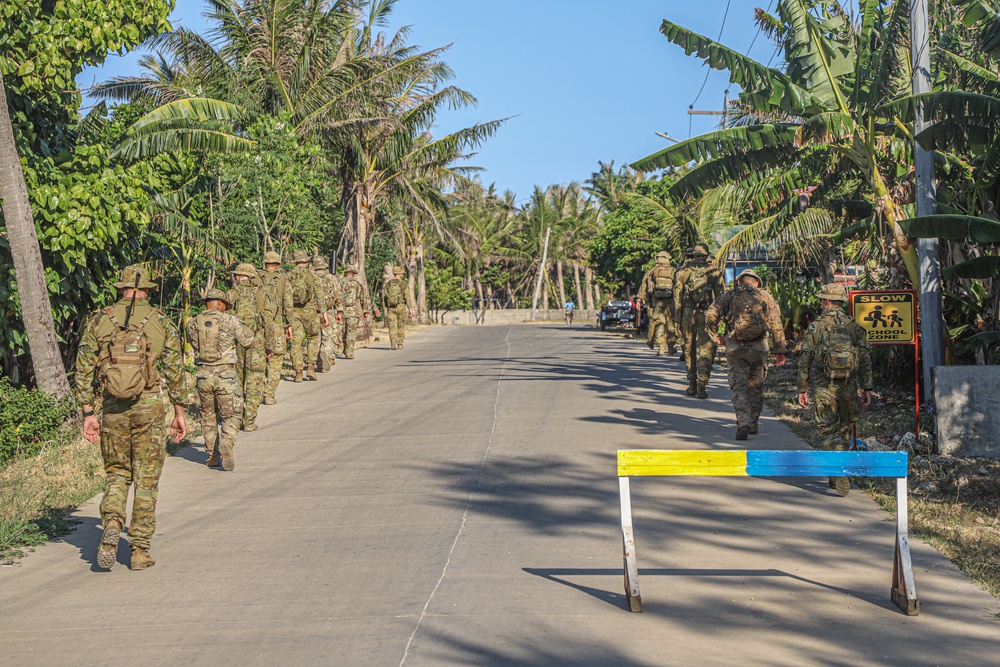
(621, 314)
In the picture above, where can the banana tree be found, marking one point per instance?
(831, 106)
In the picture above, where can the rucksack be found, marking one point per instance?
(698, 289)
(207, 328)
(746, 312)
(837, 350)
(128, 363)
(663, 282)
(302, 288)
(394, 293)
(247, 306)
(350, 293)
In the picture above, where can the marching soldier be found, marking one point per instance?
(836, 349)
(356, 304)
(274, 289)
(305, 315)
(396, 306)
(749, 313)
(217, 337)
(125, 348)
(696, 286)
(657, 290)
(330, 284)
(249, 303)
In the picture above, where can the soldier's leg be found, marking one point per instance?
(755, 386)
(350, 334)
(848, 410)
(660, 311)
(392, 319)
(740, 370)
(670, 317)
(690, 349)
(116, 449)
(402, 314)
(650, 332)
(274, 366)
(230, 402)
(253, 384)
(149, 450)
(826, 417)
(209, 418)
(706, 353)
(312, 324)
(298, 331)
(338, 334)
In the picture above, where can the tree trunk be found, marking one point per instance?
(36, 309)
(590, 288)
(422, 313)
(562, 283)
(359, 213)
(597, 294)
(576, 284)
(546, 289)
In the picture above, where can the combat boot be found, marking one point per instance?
(141, 559)
(228, 458)
(298, 376)
(310, 374)
(392, 345)
(841, 484)
(671, 350)
(324, 362)
(692, 388)
(399, 346)
(213, 461)
(650, 343)
(270, 400)
(742, 432)
(250, 427)
(702, 392)
(754, 428)
(107, 551)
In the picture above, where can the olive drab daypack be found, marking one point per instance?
(207, 328)
(698, 288)
(128, 366)
(394, 294)
(247, 305)
(663, 282)
(350, 293)
(837, 354)
(746, 314)
(303, 289)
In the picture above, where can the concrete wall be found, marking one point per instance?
(968, 410)
(514, 316)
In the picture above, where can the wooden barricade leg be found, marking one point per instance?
(904, 592)
(628, 545)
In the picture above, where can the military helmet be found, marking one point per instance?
(216, 295)
(833, 292)
(244, 269)
(350, 269)
(272, 257)
(752, 274)
(398, 269)
(136, 276)
(700, 249)
(301, 257)
(664, 255)
(318, 262)
(689, 252)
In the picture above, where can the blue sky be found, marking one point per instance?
(580, 80)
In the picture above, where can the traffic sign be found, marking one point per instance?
(889, 317)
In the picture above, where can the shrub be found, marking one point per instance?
(28, 419)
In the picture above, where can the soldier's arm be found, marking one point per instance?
(718, 283)
(805, 357)
(679, 279)
(716, 312)
(287, 304)
(774, 323)
(172, 365)
(643, 290)
(87, 357)
(242, 337)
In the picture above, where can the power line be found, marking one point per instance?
(719, 38)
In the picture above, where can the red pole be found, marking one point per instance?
(916, 379)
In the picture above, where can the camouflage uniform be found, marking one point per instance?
(330, 284)
(836, 403)
(356, 302)
(274, 288)
(220, 393)
(249, 302)
(699, 349)
(303, 318)
(133, 437)
(660, 311)
(747, 359)
(396, 314)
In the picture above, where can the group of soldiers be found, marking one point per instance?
(239, 342)
(688, 303)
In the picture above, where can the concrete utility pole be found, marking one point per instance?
(541, 269)
(931, 318)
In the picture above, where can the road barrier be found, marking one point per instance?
(769, 463)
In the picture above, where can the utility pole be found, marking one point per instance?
(931, 318)
(541, 268)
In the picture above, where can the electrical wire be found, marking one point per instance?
(725, 15)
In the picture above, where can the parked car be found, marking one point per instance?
(621, 314)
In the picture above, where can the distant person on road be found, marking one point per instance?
(657, 290)
(697, 285)
(330, 283)
(305, 312)
(568, 308)
(217, 337)
(836, 349)
(124, 349)
(396, 306)
(749, 313)
(273, 282)
(356, 303)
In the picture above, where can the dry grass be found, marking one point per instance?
(954, 503)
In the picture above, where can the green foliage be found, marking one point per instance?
(445, 291)
(30, 418)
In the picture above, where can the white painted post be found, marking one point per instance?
(904, 591)
(628, 545)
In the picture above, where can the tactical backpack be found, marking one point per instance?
(350, 293)
(698, 289)
(128, 366)
(663, 282)
(247, 306)
(303, 289)
(207, 329)
(747, 310)
(837, 350)
(394, 293)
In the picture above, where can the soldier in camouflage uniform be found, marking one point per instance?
(249, 302)
(836, 349)
(657, 291)
(749, 313)
(356, 304)
(396, 306)
(274, 289)
(130, 339)
(330, 284)
(305, 314)
(696, 285)
(216, 338)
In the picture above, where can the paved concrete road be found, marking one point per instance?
(455, 503)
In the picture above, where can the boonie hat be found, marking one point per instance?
(136, 276)
(217, 295)
(833, 292)
(350, 269)
(397, 269)
(302, 257)
(752, 274)
(272, 257)
(244, 269)
(318, 262)
(700, 249)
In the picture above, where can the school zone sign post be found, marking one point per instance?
(889, 317)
